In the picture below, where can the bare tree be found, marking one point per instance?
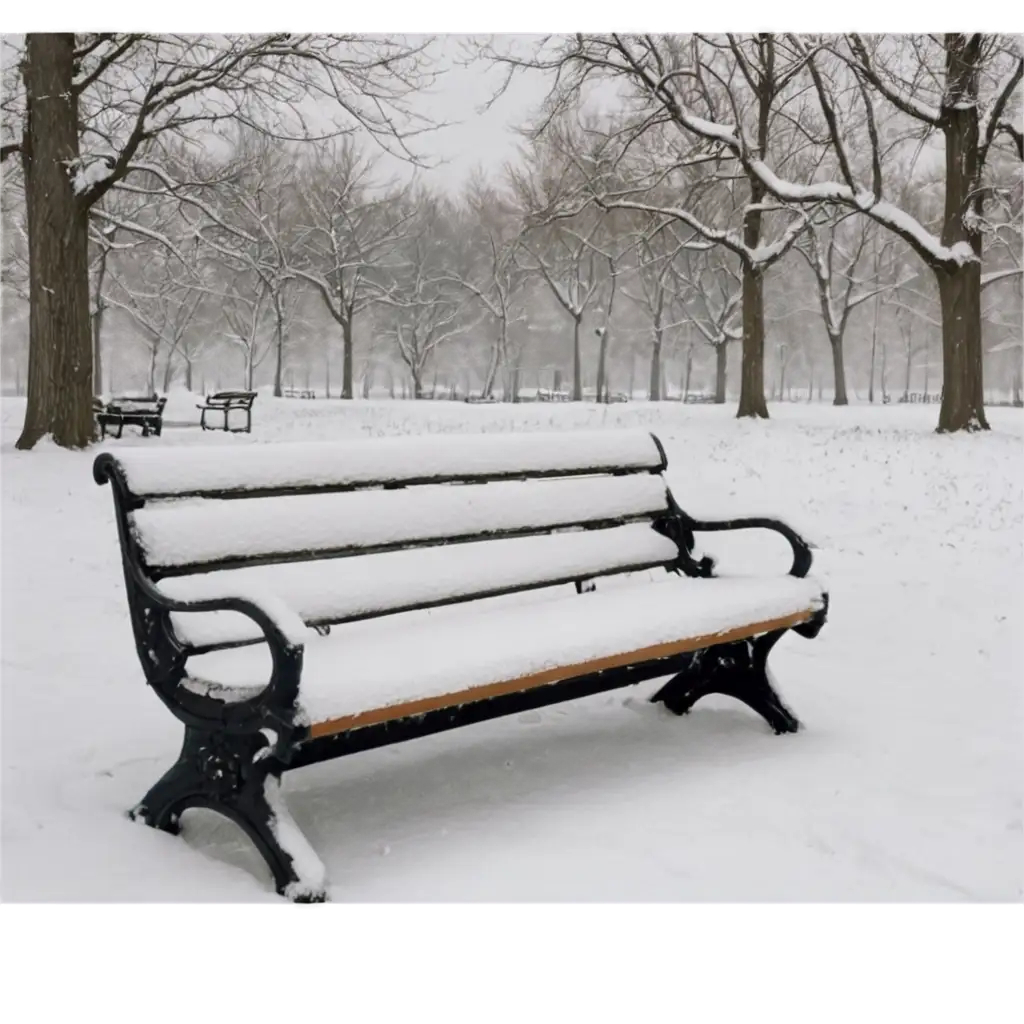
(421, 310)
(149, 291)
(687, 84)
(714, 289)
(833, 261)
(749, 87)
(493, 276)
(94, 108)
(346, 232)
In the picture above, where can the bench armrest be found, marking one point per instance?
(285, 633)
(802, 557)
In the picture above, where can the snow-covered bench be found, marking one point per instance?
(146, 413)
(293, 603)
(225, 402)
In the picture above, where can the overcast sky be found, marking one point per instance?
(472, 139)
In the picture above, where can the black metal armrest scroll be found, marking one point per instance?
(272, 710)
(802, 557)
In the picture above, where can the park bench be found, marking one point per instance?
(144, 412)
(226, 402)
(250, 574)
(299, 393)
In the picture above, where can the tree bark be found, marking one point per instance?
(963, 399)
(349, 352)
(963, 396)
(97, 351)
(577, 378)
(835, 343)
(689, 372)
(60, 341)
(602, 355)
(279, 345)
(654, 387)
(168, 371)
(721, 371)
(752, 401)
(97, 328)
(188, 374)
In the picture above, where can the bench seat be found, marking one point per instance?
(366, 666)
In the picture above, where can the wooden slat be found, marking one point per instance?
(250, 471)
(181, 539)
(376, 716)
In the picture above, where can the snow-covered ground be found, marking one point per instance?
(906, 783)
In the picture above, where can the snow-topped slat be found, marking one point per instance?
(363, 585)
(256, 468)
(203, 532)
(365, 666)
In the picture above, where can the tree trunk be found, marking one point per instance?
(654, 387)
(874, 326)
(97, 351)
(602, 355)
(577, 377)
(494, 362)
(188, 374)
(151, 378)
(906, 384)
(168, 371)
(60, 373)
(279, 345)
(689, 372)
(963, 390)
(349, 348)
(963, 400)
(835, 342)
(250, 370)
(515, 385)
(97, 328)
(752, 401)
(721, 368)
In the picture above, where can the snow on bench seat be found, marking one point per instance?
(373, 671)
(224, 468)
(191, 533)
(344, 588)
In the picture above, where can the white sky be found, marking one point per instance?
(473, 138)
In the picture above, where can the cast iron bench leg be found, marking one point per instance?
(738, 669)
(223, 773)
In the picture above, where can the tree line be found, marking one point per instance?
(765, 193)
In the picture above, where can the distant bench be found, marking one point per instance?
(246, 602)
(914, 397)
(226, 402)
(144, 412)
(299, 393)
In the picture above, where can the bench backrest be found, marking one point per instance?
(131, 403)
(524, 510)
(232, 399)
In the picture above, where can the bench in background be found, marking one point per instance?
(226, 402)
(144, 412)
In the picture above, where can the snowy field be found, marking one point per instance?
(906, 784)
